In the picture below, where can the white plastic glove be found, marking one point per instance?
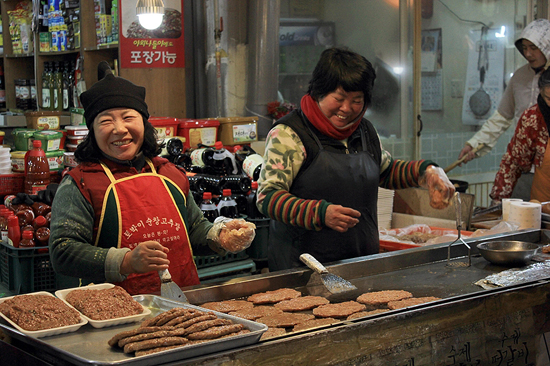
(439, 186)
(233, 235)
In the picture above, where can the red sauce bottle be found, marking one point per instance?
(37, 169)
(42, 236)
(14, 231)
(28, 241)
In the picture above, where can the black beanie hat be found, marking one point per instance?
(112, 92)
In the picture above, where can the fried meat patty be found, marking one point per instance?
(301, 303)
(381, 298)
(285, 320)
(272, 297)
(228, 305)
(410, 302)
(338, 310)
(256, 312)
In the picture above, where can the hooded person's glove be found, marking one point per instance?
(439, 186)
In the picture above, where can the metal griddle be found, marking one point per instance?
(422, 271)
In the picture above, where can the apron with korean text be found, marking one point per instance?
(144, 207)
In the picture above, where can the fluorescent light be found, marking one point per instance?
(398, 70)
(502, 33)
(150, 13)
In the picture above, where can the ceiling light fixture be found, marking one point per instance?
(150, 13)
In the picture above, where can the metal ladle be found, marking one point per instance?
(480, 101)
(458, 209)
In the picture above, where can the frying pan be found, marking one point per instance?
(480, 101)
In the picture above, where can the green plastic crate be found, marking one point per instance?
(214, 260)
(25, 270)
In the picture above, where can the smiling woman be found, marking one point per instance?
(123, 213)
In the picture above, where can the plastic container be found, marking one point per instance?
(75, 140)
(227, 206)
(77, 117)
(68, 159)
(25, 270)
(55, 160)
(51, 140)
(198, 131)
(43, 120)
(166, 126)
(208, 207)
(2, 134)
(23, 138)
(71, 147)
(390, 246)
(37, 169)
(11, 183)
(238, 130)
(76, 130)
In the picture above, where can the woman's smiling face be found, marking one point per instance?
(119, 132)
(341, 107)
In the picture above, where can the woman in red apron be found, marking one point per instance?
(124, 213)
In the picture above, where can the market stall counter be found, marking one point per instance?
(485, 314)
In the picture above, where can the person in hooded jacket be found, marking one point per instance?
(124, 213)
(323, 164)
(529, 146)
(520, 93)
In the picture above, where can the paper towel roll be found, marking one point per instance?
(526, 214)
(506, 207)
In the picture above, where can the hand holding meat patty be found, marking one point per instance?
(439, 186)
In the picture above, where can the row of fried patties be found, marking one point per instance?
(283, 309)
(176, 327)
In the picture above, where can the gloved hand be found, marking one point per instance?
(233, 235)
(439, 186)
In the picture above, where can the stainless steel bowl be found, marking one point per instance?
(507, 253)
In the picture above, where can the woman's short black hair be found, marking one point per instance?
(341, 67)
(89, 151)
(544, 79)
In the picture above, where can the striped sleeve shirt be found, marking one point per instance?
(285, 154)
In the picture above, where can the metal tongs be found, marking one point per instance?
(458, 209)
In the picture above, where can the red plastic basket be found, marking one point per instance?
(11, 183)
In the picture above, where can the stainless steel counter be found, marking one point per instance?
(469, 326)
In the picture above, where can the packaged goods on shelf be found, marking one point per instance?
(198, 131)
(238, 130)
(55, 159)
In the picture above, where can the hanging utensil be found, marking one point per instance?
(334, 284)
(170, 289)
(480, 101)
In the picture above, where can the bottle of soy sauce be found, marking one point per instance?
(208, 207)
(227, 206)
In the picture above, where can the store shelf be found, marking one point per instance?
(21, 121)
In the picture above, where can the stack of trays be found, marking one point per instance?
(385, 207)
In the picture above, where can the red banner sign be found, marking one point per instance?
(158, 48)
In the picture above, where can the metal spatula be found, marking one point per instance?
(169, 288)
(333, 283)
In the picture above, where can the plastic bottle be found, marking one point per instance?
(252, 166)
(42, 236)
(208, 207)
(252, 210)
(27, 240)
(223, 161)
(4, 213)
(202, 157)
(14, 231)
(227, 206)
(38, 222)
(37, 169)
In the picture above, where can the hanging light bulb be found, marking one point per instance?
(150, 13)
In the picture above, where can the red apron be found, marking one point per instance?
(144, 206)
